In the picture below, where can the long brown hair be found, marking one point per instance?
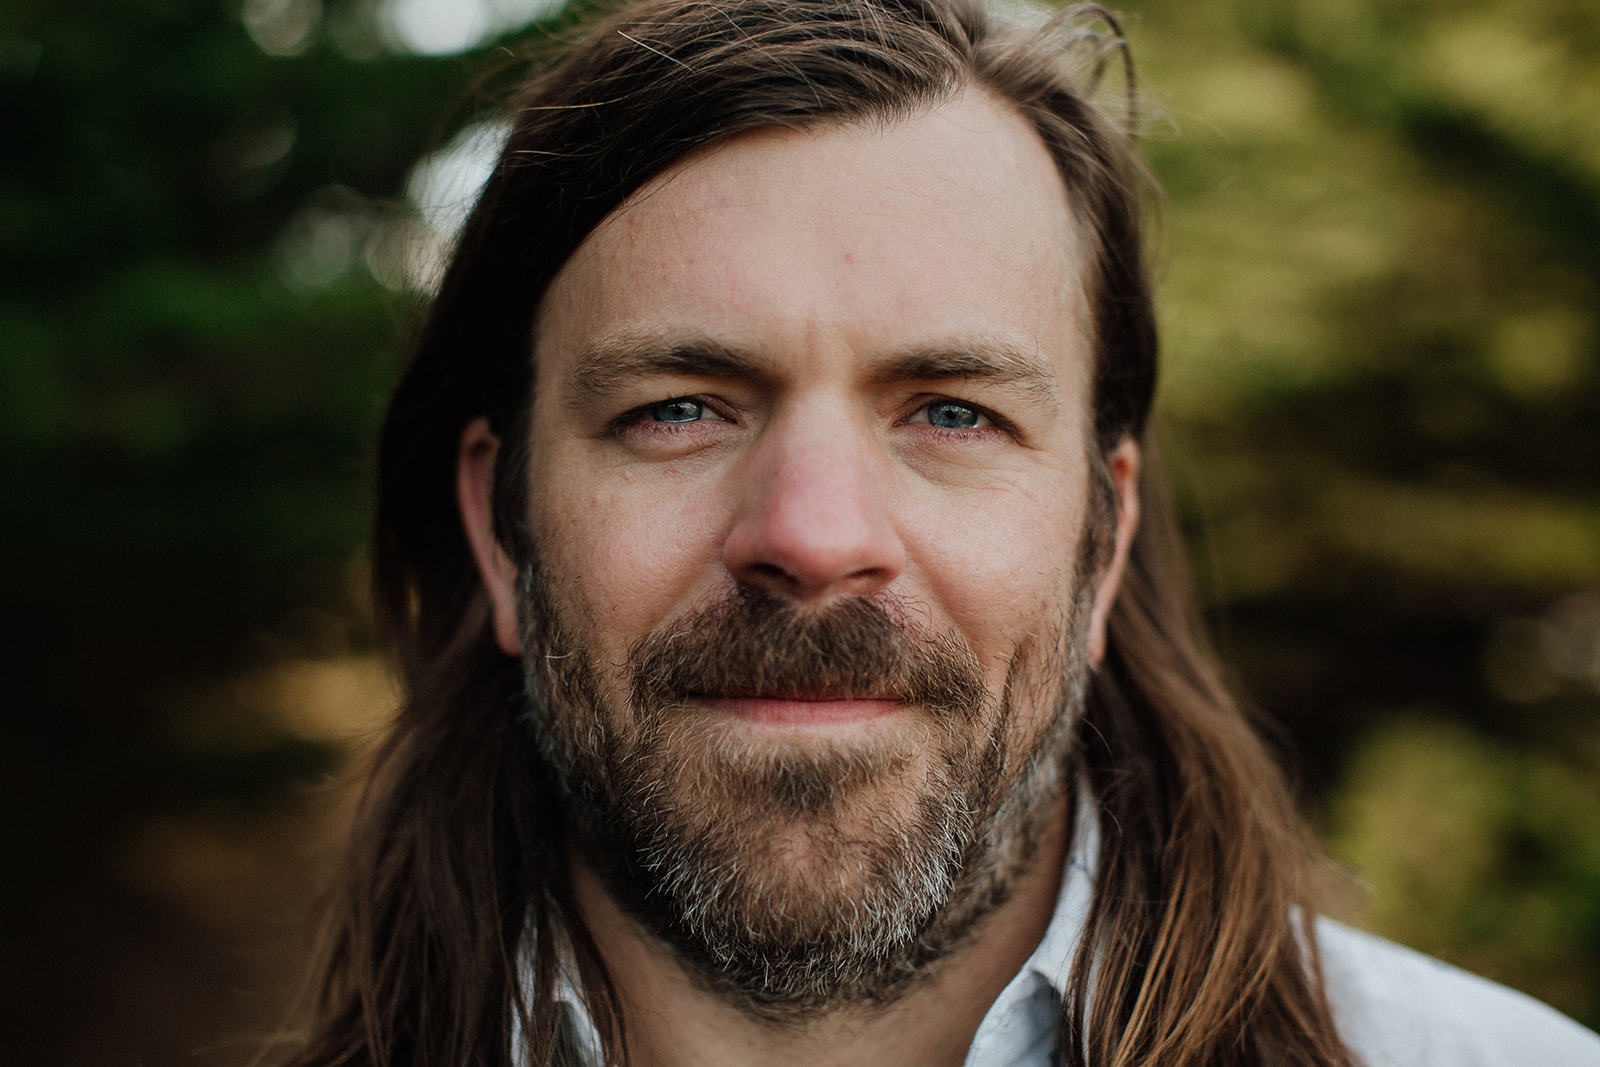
(444, 948)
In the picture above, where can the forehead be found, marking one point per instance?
(952, 225)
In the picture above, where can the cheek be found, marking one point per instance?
(621, 555)
(1002, 566)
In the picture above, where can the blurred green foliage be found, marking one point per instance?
(1382, 311)
(1380, 278)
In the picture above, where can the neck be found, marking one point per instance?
(672, 1019)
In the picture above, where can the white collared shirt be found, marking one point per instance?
(1393, 1007)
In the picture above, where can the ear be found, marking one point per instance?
(1124, 470)
(475, 497)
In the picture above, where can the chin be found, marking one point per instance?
(792, 871)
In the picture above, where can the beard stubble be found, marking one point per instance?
(798, 879)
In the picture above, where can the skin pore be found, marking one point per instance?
(850, 362)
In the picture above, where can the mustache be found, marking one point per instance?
(755, 643)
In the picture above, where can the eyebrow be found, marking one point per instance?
(995, 363)
(610, 364)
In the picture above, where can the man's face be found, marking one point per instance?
(810, 481)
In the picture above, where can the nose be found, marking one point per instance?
(815, 522)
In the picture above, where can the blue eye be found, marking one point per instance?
(948, 415)
(679, 410)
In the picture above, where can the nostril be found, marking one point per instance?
(771, 570)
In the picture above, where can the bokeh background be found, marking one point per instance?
(1380, 279)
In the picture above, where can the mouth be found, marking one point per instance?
(820, 709)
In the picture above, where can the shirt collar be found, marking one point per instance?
(1052, 960)
(1019, 1029)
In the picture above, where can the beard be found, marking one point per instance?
(796, 877)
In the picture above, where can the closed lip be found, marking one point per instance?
(811, 709)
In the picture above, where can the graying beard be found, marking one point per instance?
(930, 883)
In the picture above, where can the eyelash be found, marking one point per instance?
(925, 411)
(998, 424)
(639, 417)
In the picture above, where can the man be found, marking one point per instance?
(797, 661)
